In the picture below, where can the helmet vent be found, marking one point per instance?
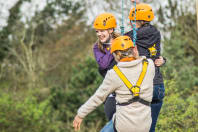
(122, 45)
(104, 23)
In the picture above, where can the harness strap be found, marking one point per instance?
(142, 75)
(135, 99)
(135, 90)
(123, 78)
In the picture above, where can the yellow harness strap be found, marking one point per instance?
(134, 89)
(142, 75)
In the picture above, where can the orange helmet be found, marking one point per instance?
(121, 43)
(105, 21)
(143, 12)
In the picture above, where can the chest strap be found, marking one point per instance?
(135, 90)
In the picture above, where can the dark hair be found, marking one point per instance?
(143, 23)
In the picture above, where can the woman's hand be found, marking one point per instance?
(77, 122)
(160, 61)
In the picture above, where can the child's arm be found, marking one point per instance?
(161, 61)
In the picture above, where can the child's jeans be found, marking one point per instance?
(157, 101)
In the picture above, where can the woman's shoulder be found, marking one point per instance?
(95, 46)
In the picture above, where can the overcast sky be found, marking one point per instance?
(28, 9)
(4, 6)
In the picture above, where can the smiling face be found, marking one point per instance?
(104, 35)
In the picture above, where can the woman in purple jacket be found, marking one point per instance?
(104, 25)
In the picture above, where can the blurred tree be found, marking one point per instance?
(175, 15)
(13, 18)
(180, 49)
(54, 12)
(83, 83)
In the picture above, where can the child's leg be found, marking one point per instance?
(155, 110)
(158, 95)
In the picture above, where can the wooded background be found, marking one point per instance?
(47, 68)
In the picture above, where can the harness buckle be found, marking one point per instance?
(135, 90)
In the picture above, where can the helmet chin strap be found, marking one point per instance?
(107, 42)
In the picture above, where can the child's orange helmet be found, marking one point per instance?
(105, 21)
(143, 12)
(121, 43)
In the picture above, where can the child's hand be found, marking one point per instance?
(77, 122)
(137, 1)
(160, 61)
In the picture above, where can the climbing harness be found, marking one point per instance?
(135, 90)
(122, 26)
(134, 23)
(134, 27)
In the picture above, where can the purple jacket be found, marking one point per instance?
(103, 60)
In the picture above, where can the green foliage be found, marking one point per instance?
(43, 22)
(53, 11)
(62, 79)
(178, 114)
(12, 21)
(187, 27)
(84, 81)
(182, 19)
(180, 66)
(28, 114)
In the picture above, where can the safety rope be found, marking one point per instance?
(134, 27)
(134, 23)
(122, 26)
